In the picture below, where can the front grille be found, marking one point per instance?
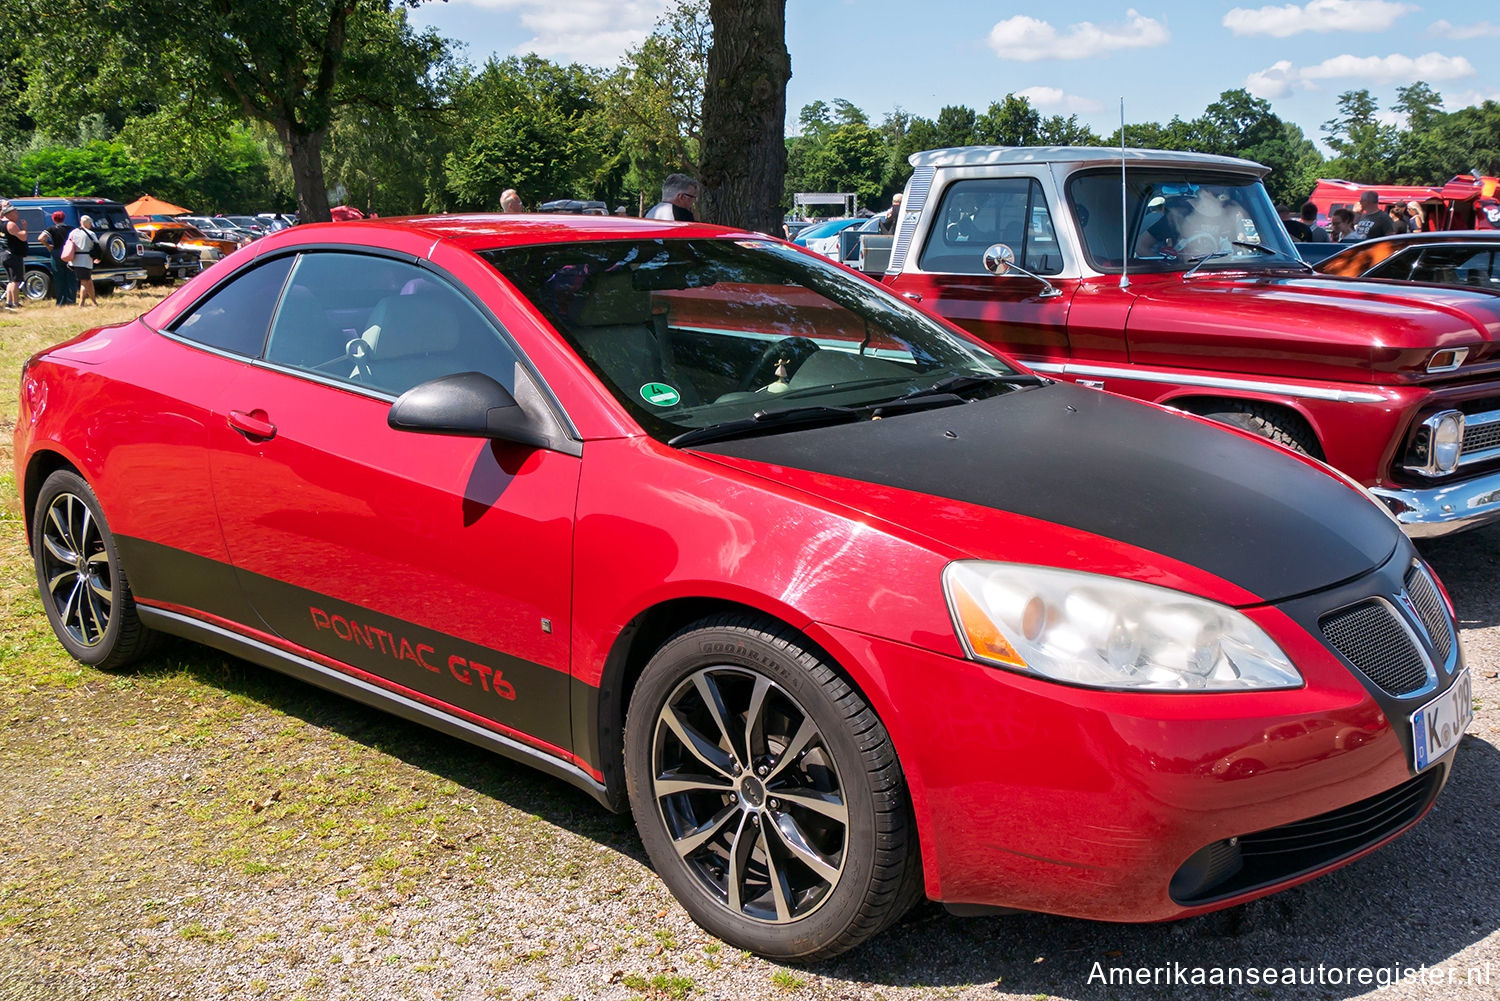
(1253, 861)
(1372, 638)
(1431, 610)
(1482, 437)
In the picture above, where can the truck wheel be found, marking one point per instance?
(1268, 422)
(37, 285)
(767, 793)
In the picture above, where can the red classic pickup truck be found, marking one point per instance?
(1191, 295)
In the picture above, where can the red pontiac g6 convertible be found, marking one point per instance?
(843, 606)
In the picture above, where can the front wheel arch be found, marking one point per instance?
(1278, 422)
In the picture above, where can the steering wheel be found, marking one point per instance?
(1206, 243)
(794, 349)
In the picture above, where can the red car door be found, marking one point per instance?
(434, 566)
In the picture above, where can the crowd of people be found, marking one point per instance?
(1347, 226)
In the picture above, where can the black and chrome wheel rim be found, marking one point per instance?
(750, 794)
(76, 577)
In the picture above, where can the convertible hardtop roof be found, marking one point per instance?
(973, 156)
(495, 230)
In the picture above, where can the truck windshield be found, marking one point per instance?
(1175, 218)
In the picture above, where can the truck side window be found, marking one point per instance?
(977, 213)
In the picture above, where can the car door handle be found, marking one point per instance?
(252, 424)
(913, 296)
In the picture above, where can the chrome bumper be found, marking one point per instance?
(1434, 511)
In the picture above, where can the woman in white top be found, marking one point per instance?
(83, 241)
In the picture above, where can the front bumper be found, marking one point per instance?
(1429, 512)
(1101, 805)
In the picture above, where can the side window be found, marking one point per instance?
(236, 316)
(382, 324)
(1404, 265)
(975, 214)
(1452, 266)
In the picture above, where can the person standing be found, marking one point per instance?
(1299, 230)
(1316, 233)
(1375, 221)
(510, 201)
(1341, 226)
(64, 285)
(678, 193)
(1416, 218)
(14, 254)
(892, 215)
(84, 242)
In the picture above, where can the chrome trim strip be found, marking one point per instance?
(1207, 381)
(1429, 512)
(314, 673)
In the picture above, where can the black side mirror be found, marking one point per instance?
(468, 405)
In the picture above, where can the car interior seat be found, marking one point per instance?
(410, 339)
(617, 331)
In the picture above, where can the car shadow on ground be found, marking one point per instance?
(491, 775)
(1470, 557)
(1418, 901)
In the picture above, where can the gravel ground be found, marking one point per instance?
(253, 838)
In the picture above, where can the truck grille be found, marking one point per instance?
(1481, 434)
(1431, 610)
(1251, 861)
(1372, 637)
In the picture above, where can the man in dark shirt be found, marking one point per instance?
(1375, 221)
(14, 253)
(1295, 226)
(64, 285)
(1316, 233)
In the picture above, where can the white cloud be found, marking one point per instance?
(1317, 15)
(1025, 39)
(1281, 78)
(1276, 80)
(1053, 99)
(1461, 32)
(1469, 99)
(595, 32)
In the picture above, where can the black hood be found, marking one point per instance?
(1102, 464)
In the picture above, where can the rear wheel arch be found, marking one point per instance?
(43, 463)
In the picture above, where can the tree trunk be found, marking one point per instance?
(305, 151)
(744, 116)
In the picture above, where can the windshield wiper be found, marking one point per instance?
(957, 385)
(767, 421)
(1198, 261)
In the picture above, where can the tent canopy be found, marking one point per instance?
(147, 205)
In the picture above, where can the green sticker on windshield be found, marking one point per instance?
(660, 395)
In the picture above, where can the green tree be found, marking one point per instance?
(1365, 149)
(531, 125)
(654, 100)
(1008, 122)
(955, 125)
(288, 63)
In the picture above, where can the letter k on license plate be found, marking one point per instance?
(1437, 727)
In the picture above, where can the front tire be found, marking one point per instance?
(36, 285)
(767, 793)
(83, 586)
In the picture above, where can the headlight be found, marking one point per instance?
(1437, 444)
(1105, 632)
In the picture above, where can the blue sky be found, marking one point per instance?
(1163, 60)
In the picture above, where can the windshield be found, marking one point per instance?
(1175, 218)
(693, 333)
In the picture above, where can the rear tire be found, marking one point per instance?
(1268, 422)
(83, 586)
(767, 792)
(36, 285)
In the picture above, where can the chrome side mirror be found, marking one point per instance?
(999, 260)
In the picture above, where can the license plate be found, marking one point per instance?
(1438, 726)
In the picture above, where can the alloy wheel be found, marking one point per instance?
(750, 795)
(75, 569)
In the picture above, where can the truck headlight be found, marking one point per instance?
(1437, 444)
(1104, 632)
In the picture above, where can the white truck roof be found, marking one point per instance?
(973, 156)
